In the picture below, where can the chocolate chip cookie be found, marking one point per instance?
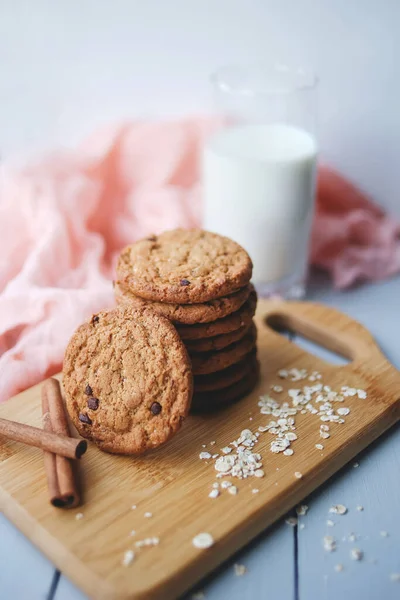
(128, 380)
(209, 362)
(226, 377)
(216, 343)
(184, 267)
(230, 323)
(188, 314)
(210, 401)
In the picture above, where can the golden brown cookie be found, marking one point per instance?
(216, 343)
(184, 266)
(128, 380)
(188, 313)
(211, 401)
(232, 322)
(226, 377)
(209, 362)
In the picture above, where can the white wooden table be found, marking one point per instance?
(288, 562)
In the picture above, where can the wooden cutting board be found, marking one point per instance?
(173, 483)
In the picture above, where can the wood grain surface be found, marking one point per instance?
(173, 484)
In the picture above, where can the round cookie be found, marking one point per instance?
(211, 401)
(188, 313)
(226, 377)
(230, 323)
(184, 266)
(216, 343)
(209, 362)
(128, 380)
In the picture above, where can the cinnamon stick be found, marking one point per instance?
(52, 403)
(33, 436)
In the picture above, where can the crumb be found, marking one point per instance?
(239, 570)
(148, 515)
(302, 510)
(360, 508)
(79, 516)
(356, 554)
(298, 475)
(338, 509)
(329, 543)
(214, 493)
(292, 521)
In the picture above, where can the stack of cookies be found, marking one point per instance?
(200, 281)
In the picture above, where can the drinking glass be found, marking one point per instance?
(259, 170)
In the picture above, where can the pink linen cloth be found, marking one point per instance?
(64, 220)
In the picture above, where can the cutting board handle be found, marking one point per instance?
(327, 327)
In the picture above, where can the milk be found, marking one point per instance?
(259, 188)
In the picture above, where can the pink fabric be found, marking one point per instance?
(64, 220)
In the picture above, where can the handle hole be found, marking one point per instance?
(311, 338)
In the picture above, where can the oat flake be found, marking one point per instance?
(214, 493)
(79, 516)
(338, 509)
(128, 558)
(204, 455)
(329, 543)
(292, 521)
(203, 540)
(302, 510)
(298, 475)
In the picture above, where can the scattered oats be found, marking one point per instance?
(298, 475)
(384, 534)
(226, 450)
(259, 473)
(338, 509)
(362, 394)
(128, 558)
(213, 494)
(203, 540)
(319, 446)
(356, 465)
(288, 452)
(204, 455)
(356, 554)
(226, 484)
(132, 533)
(292, 521)
(330, 523)
(338, 568)
(360, 508)
(329, 543)
(302, 510)
(349, 391)
(343, 411)
(277, 388)
(133, 507)
(255, 491)
(301, 526)
(148, 515)
(79, 516)
(395, 577)
(324, 435)
(239, 570)
(198, 596)
(291, 436)
(233, 490)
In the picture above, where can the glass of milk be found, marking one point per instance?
(259, 170)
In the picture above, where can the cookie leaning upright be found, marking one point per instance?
(128, 380)
(184, 266)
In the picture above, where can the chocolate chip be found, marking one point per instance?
(155, 408)
(88, 390)
(95, 319)
(93, 403)
(185, 282)
(85, 419)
